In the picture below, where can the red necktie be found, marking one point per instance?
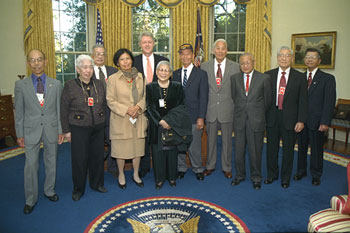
(281, 90)
(309, 80)
(247, 85)
(218, 76)
(149, 71)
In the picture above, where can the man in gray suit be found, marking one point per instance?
(37, 104)
(251, 94)
(220, 107)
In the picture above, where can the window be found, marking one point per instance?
(154, 18)
(229, 24)
(70, 29)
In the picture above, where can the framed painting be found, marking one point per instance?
(323, 41)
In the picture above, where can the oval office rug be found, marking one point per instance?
(167, 214)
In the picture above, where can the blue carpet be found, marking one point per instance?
(271, 209)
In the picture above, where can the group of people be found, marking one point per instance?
(123, 114)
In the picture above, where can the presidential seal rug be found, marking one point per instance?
(167, 214)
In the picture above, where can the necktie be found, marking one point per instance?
(281, 90)
(185, 78)
(40, 86)
(309, 80)
(218, 76)
(101, 74)
(247, 85)
(149, 71)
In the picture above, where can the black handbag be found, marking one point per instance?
(169, 137)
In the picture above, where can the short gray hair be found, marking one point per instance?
(164, 63)
(284, 47)
(98, 46)
(248, 55)
(81, 58)
(220, 40)
(145, 33)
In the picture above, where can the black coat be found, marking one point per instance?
(139, 66)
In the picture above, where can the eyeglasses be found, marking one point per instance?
(311, 57)
(164, 70)
(33, 60)
(100, 54)
(287, 55)
(245, 63)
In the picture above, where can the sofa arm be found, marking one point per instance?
(338, 202)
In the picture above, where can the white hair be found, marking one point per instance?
(81, 58)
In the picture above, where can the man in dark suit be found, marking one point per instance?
(195, 84)
(146, 64)
(286, 116)
(102, 72)
(322, 97)
(220, 107)
(37, 104)
(251, 94)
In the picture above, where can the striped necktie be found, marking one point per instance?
(185, 78)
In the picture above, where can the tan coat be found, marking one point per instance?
(119, 99)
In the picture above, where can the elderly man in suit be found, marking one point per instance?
(251, 94)
(102, 72)
(220, 107)
(322, 97)
(195, 85)
(146, 64)
(37, 104)
(286, 116)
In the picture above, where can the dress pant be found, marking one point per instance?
(254, 141)
(194, 152)
(316, 140)
(87, 156)
(273, 143)
(164, 164)
(226, 150)
(111, 162)
(31, 169)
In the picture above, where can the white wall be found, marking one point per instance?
(12, 58)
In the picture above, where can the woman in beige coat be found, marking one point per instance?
(126, 93)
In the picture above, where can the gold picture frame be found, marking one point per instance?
(323, 41)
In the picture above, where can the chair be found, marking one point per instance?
(336, 218)
(341, 118)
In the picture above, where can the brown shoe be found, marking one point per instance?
(228, 174)
(207, 172)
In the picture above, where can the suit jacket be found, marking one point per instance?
(294, 102)
(139, 65)
(110, 70)
(196, 92)
(220, 103)
(251, 107)
(322, 98)
(31, 118)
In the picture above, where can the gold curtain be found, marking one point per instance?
(116, 26)
(38, 31)
(258, 33)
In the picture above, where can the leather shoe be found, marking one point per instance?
(228, 175)
(53, 198)
(143, 173)
(181, 175)
(172, 183)
(257, 185)
(101, 189)
(298, 176)
(207, 172)
(159, 185)
(200, 176)
(76, 195)
(269, 180)
(285, 184)
(316, 181)
(138, 184)
(235, 182)
(122, 186)
(28, 209)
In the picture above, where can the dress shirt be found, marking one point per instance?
(279, 79)
(188, 72)
(222, 67)
(144, 63)
(312, 73)
(250, 79)
(35, 81)
(97, 71)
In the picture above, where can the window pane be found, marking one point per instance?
(80, 42)
(241, 42)
(58, 59)
(232, 24)
(68, 63)
(66, 20)
(67, 41)
(68, 77)
(231, 40)
(233, 57)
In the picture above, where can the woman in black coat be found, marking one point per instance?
(166, 110)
